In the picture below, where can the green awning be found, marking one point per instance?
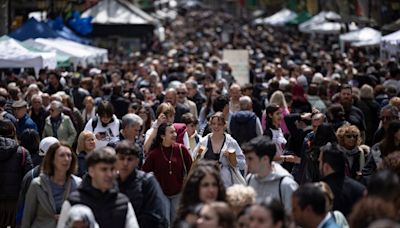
(301, 17)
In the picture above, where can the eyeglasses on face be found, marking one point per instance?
(181, 93)
(349, 136)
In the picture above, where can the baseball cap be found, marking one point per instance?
(45, 145)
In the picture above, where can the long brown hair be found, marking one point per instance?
(48, 161)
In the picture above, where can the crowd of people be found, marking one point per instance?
(168, 138)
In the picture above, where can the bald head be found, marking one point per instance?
(245, 103)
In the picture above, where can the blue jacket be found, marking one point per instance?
(25, 123)
(330, 223)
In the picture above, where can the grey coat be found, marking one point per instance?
(40, 208)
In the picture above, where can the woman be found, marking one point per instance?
(191, 123)
(211, 93)
(67, 102)
(300, 103)
(47, 192)
(203, 185)
(30, 140)
(145, 113)
(86, 144)
(89, 110)
(170, 163)
(59, 125)
(221, 147)
(389, 144)
(216, 215)
(267, 214)
(274, 131)
(349, 140)
(279, 98)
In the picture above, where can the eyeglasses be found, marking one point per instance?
(181, 93)
(351, 136)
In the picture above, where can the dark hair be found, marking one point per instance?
(336, 112)
(261, 146)
(270, 109)
(105, 108)
(127, 148)
(311, 195)
(324, 134)
(384, 184)
(101, 155)
(392, 162)
(30, 139)
(333, 157)
(160, 132)
(7, 129)
(275, 208)
(226, 218)
(345, 86)
(220, 102)
(388, 143)
(189, 118)
(191, 188)
(48, 160)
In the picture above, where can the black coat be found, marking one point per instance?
(145, 194)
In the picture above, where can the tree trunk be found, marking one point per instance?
(4, 17)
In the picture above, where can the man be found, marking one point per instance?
(248, 90)
(194, 95)
(346, 191)
(268, 178)
(309, 208)
(77, 93)
(352, 114)
(15, 161)
(37, 112)
(171, 97)
(142, 188)
(98, 192)
(24, 121)
(387, 114)
(182, 92)
(4, 115)
(234, 94)
(244, 124)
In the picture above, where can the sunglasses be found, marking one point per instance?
(181, 93)
(351, 136)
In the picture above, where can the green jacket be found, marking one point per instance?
(65, 133)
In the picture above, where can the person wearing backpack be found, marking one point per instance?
(245, 124)
(105, 125)
(268, 178)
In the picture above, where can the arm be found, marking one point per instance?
(148, 165)
(288, 186)
(259, 130)
(290, 121)
(63, 214)
(71, 132)
(30, 206)
(131, 220)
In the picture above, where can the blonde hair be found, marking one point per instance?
(278, 98)
(345, 129)
(395, 101)
(83, 136)
(165, 108)
(239, 196)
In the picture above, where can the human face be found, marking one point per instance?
(126, 164)
(36, 103)
(170, 136)
(350, 139)
(143, 114)
(386, 117)
(276, 118)
(253, 162)
(20, 112)
(316, 121)
(259, 217)
(105, 119)
(234, 93)
(131, 131)
(191, 129)
(90, 144)
(182, 93)
(62, 159)
(54, 111)
(208, 191)
(102, 175)
(346, 96)
(191, 91)
(217, 126)
(170, 97)
(297, 212)
(208, 218)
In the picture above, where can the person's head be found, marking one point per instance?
(56, 108)
(316, 120)
(216, 215)
(331, 160)
(328, 194)
(191, 123)
(166, 135)
(182, 92)
(221, 104)
(171, 96)
(20, 108)
(259, 153)
(127, 158)
(53, 78)
(217, 123)
(80, 216)
(247, 90)
(278, 98)
(370, 209)
(346, 95)
(86, 142)
(308, 202)
(239, 197)
(348, 136)
(245, 103)
(131, 125)
(203, 185)
(45, 144)
(366, 92)
(59, 159)
(335, 113)
(101, 168)
(191, 86)
(268, 213)
(273, 115)
(67, 101)
(88, 102)
(385, 184)
(105, 111)
(392, 138)
(7, 129)
(168, 110)
(391, 162)
(30, 139)
(388, 113)
(234, 92)
(36, 102)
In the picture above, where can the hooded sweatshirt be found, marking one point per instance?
(279, 184)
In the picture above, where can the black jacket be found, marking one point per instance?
(243, 126)
(145, 194)
(15, 161)
(345, 190)
(109, 208)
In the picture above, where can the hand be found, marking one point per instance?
(292, 159)
(306, 116)
(100, 135)
(162, 118)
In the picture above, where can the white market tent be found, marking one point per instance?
(321, 18)
(14, 55)
(361, 38)
(280, 18)
(100, 53)
(390, 45)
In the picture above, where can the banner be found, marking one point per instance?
(238, 60)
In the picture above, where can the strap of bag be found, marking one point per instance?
(183, 160)
(280, 192)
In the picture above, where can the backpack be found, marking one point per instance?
(243, 131)
(180, 131)
(279, 185)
